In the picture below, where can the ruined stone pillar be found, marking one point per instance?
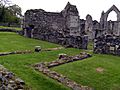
(84, 41)
(89, 27)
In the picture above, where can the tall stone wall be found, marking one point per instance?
(62, 28)
(107, 44)
(89, 26)
(44, 23)
(110, 27)
(67, 28)
(95, 29)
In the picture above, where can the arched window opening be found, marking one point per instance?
(112, 16)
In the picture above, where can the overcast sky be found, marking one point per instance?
(92, 7)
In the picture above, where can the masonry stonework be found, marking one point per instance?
(62, 28)
(108, 39)
(66, 27)
(107, 44)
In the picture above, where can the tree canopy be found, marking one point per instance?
(9, 13)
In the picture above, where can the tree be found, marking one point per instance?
(3, 4)
(16, 10)
(9, 13)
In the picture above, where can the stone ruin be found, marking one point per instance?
(44, 67)
(9, 81)
(95, 29)
(66, 27)
(107, 44)
(61, 28)
(107, 40)
(110, 27)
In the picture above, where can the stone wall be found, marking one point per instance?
(8, 80)
(55, 27)
(95, 29)
(20, 32)
(62, 28)
(107, 44)
(110, 27)
(44, 67)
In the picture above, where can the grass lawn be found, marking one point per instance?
(12, 41)
(20, 64)
(84, 72)
(16, 28)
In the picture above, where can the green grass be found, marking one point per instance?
(16, 28)
(83, 72)
(21, 64)
(90, 45)
(12, 42)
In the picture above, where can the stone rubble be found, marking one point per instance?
(107, 44)
(37, 48)
(53, 49)
(15, 52)
(8, 80)
(63, 58)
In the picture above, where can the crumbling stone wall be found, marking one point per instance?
(89, 26)
(107, 40)
(66, 27)
(107, 44)
(95, 29)
(62, 28)
(110, 27)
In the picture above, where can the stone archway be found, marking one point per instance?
(106, 25)
(112, 16)
(113, 8)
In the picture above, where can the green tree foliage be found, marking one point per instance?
(9, 13)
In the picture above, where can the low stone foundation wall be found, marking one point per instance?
(16, 52)
(8, 80)
(7, 30)
(107, 44)
(11, 30)
(63, 59)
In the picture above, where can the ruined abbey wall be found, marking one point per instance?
(62, 28)
(95, 29)
(66, 27)
(108, 41)
(107, 44)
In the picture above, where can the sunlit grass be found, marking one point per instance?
(16, 28)
(85, 72)
(12, 42)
